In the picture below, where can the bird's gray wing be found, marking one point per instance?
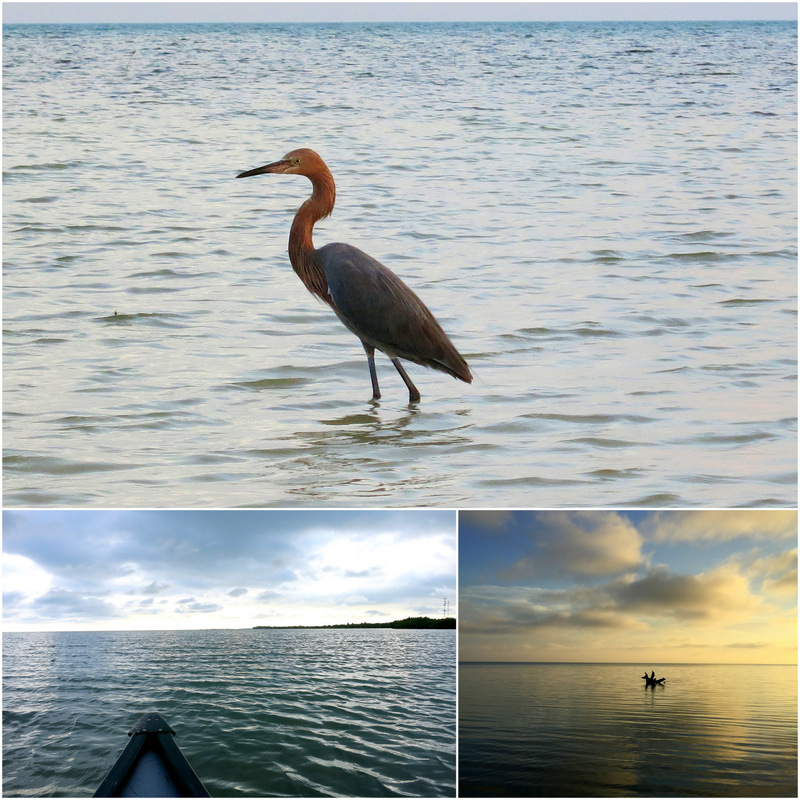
(382, 311)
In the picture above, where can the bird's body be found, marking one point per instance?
(369, 299)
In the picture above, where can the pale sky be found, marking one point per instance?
(609, 586)
(149, 570)
(67, 12)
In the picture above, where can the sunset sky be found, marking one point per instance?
(666, 586)
(142, 570)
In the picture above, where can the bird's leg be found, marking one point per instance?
(373, 375)
(413, 392)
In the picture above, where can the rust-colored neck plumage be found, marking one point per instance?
(301, 247)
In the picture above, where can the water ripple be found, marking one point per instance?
(625, 263)
(258, 713)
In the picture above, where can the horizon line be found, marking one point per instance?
(653, 663)
(214, 628)
(656, 21)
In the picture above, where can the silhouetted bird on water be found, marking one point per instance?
(368, 298)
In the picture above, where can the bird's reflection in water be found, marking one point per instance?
(363, 455)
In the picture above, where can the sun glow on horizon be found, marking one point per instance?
(677, 587)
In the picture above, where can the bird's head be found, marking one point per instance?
(298, 162)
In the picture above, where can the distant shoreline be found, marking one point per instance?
(409, 623)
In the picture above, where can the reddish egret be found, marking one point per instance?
(371, 301)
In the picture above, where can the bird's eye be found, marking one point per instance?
(297, 162)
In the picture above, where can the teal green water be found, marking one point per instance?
(257, 713)
(595, 730)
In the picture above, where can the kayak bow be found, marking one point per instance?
(152, 765)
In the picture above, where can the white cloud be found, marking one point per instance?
(355, 600)
(227, 569)
(578, 586)
(155, 588)
(720, 594)
(195, 607)
(720, 526)
(24, 576)
(580, 543)
(777, 573)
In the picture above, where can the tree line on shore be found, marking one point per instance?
(445, 623)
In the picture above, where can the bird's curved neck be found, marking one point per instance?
(301, 246)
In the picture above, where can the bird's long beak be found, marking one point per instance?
(275, 166)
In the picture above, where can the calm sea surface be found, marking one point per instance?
(595, 730)
(602, 216)
(257, 713)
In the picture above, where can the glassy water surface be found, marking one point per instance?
(595, 730)
(257, 713)
(602, 216)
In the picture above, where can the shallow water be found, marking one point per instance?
(595, 730)
(257, 713)
(602, 216)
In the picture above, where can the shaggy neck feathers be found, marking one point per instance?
(301, 246)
